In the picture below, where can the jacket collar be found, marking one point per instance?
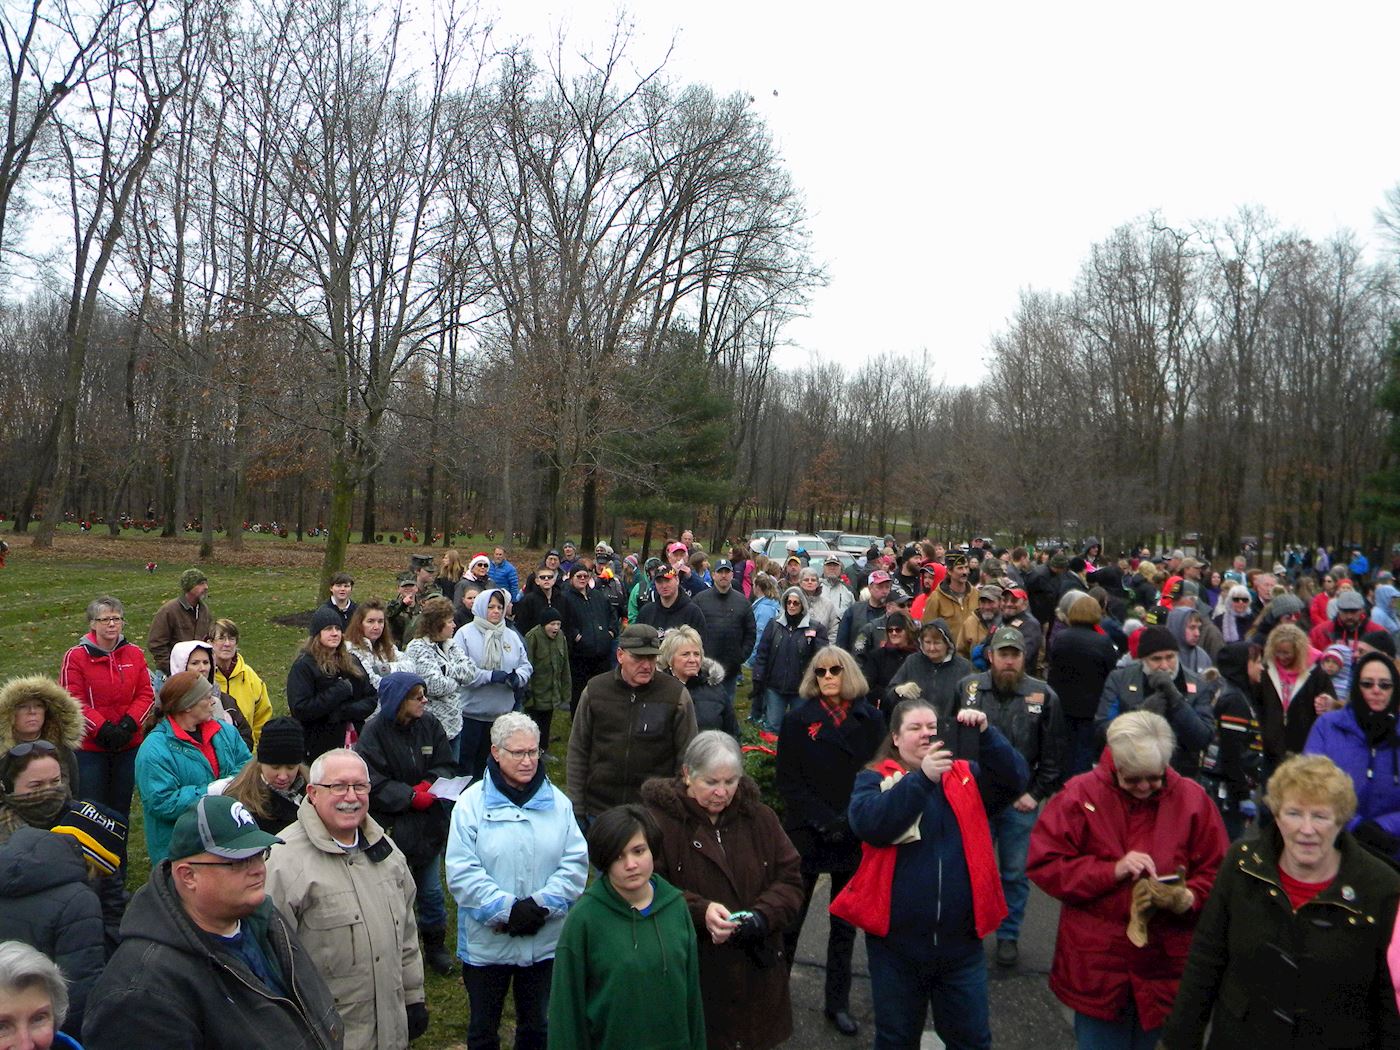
(376, 844)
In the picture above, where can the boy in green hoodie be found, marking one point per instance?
(626, 971)
(548, 688)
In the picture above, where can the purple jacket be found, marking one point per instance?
(1338, 736)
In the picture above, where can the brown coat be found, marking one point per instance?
(745, 862)
(176, 622)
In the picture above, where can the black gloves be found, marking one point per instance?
(341, 690)
(1162, 693)
(1376, 838)
(417, 1019)
(526, 918)
(114, 736)
(498, 676)
(752, 930)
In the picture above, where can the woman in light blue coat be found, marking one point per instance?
(516, 863)
(185, 750)
(502, 669)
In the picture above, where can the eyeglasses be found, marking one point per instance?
(345, 789)
(1239, 599)
(834, 671)
(521, 756)
(1365, 683)
(236, 865)
(41, 746)
(109, 619)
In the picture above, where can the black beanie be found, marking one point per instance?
(282, 743)
(1381, 640)
(549, 616)
(324, 617)
(1156, 639)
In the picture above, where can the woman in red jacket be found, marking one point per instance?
(1130, 849)
(107, 675)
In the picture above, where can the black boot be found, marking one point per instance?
(434, 953)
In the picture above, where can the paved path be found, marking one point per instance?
(1025, 1016)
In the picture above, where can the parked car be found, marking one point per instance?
(777, 547)
(854, 543)
(828, 536)
(767, 534)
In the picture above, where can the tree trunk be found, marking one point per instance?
(367, 528)
(589, 512)
(338, 529)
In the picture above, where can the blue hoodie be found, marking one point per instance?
(393, 687)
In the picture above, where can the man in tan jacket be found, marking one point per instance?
(347, 890)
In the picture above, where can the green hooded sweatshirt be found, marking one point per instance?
(623, 979)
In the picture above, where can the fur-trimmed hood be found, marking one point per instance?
(711, 672)
(667, 795)
(63, 724)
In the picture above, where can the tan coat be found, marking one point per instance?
(353, 912)
(954, 613)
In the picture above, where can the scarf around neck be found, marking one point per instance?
(39, 809)
(492, 649)
(519, 796)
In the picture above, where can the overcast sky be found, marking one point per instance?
(952, 156)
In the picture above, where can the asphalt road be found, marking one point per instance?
(1025, 1016)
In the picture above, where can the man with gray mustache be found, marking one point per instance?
(348, 892)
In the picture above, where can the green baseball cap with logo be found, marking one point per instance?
(219, 825)
(1008, 638)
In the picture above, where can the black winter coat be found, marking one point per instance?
(1264, 975)
(937, 683)
(166, 986)
(46, 902)
(400, 757)
(712, 707)
(325, 705)
(1081, 659)
(784, 652)
(589, 623)
(531, 607)
(683, 613)
(817, 766)
(880, 664)
(730, 630)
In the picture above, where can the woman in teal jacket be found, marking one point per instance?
(185, 750)
(626, 969)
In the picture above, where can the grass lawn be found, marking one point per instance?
(44, 595)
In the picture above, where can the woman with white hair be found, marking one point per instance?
(1234, 614)
(1130, 849)
(33, 999)
(516, 863)
(725, 850)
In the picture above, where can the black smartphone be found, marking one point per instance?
(964, 742)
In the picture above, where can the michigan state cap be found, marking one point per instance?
(219, 825)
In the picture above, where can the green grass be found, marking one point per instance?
(43, 601)
(42, 614)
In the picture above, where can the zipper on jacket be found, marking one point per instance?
(291, 977)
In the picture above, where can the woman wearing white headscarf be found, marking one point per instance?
(1235, 613)
(503, 668)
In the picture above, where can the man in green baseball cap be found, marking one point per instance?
(183, 619)
(1027, 712)
(206, 960)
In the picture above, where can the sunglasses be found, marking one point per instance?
(1135, 781)
(1365, 683)
(41, 746)
(822, 672)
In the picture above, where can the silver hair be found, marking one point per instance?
(1141, 743)
(510, 723)
(711, 750)
(809, 573)
(95, 607)
(675, 638)
(23, 967)
(319, 765)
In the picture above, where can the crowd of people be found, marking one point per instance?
(1200, 764)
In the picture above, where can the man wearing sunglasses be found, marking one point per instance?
(348, 891)
(206, 960)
